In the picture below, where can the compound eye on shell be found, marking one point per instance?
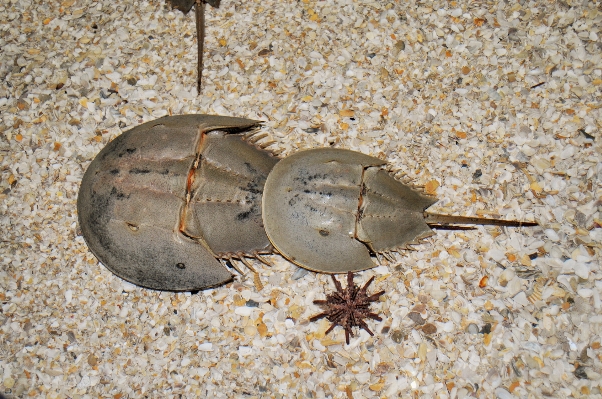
(132, 226)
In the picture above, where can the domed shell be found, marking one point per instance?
(329, 210)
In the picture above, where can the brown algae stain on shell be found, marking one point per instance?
(329, 210)
(160, 202)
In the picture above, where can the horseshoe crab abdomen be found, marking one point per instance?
(226, 195)
(391, 213)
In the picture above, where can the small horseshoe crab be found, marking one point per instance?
(163, 203)
(330, 210)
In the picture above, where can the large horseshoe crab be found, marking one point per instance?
(163, 203)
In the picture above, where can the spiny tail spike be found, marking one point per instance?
(443, 221)
(200, 37)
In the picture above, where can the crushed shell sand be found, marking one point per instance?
(492, 106)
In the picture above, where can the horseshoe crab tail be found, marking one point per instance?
(455, 222)
(199, 13)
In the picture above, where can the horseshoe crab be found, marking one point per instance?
(162, 202)
(161, 205)
(329, 210)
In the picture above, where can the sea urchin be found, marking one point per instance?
(348, 307)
